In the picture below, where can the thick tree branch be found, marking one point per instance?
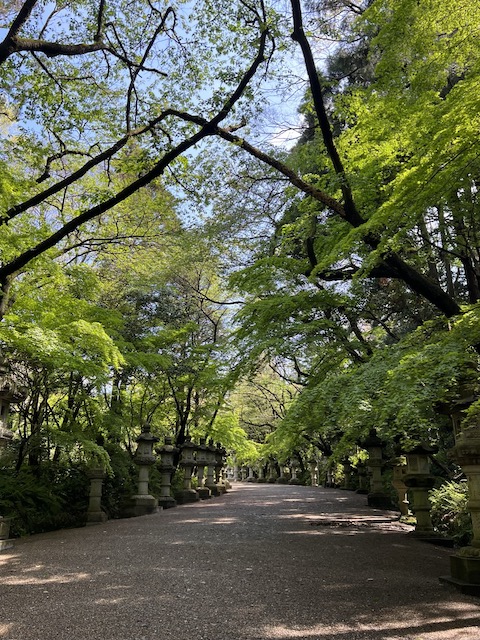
(352, 214)
(207, 129)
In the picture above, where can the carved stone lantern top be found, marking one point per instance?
(188, 448)
(374, 445)
(418, 462)
(167, 452)
(202, 452)
(144, 453)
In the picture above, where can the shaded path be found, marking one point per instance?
(263, 562)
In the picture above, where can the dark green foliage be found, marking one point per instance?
(54, 497)
(449, 511)
(120, 484)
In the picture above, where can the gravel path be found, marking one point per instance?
(262, 562)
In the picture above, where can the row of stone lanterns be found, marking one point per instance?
(192, 457)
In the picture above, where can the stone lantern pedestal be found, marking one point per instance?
(420, 483)
(187, 462)
(465, 564)
(95, 514)
(166, 468)
(202, 461)
(142, 503)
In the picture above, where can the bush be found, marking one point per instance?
(54, 497)
(449, 511)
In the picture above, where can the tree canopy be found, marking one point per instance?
(164, 259)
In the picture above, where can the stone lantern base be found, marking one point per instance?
(186, 496)
(140, 506)
(204, 493)
(214, 489)
(166, 502)
(464, 574)
(96, 517)
(5, 541)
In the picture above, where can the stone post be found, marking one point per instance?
(143, 503)
(398, 482)
(202, 461)
(187, 462)
(377, 497)
(166, 468)
(420, 482)
(211, 466)
(95, 514)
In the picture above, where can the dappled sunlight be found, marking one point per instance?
(453, 621)
(224, 520)
(16, 580)
(6, 558)
(5, 629)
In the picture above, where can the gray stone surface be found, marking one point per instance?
(261, 562)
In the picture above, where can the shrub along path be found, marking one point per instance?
(263, 562)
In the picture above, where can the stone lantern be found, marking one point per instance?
(465, 564)
(312, 465)
(236, 472)
(211, 467)
(377, 497)
(187, 462)
(398, 483)
(220, 453)
(272, 475)
(261, 472)
(347, 474)
(166, 468)
(143, 502)
(202, 461)
(420, 482)
(362, 478)
(293, 472)
(329, 478)
(251, 475)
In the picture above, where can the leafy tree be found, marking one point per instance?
(86, 81)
